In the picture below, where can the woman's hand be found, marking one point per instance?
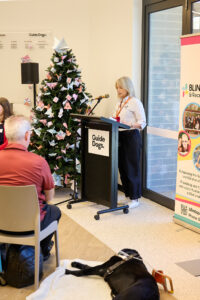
(136, 126)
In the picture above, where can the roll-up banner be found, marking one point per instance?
(187, 202)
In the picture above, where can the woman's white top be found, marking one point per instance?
(132, 112)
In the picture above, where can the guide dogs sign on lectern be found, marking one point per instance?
(98, 142)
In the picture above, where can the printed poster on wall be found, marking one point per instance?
(187, 204)
(14, 46)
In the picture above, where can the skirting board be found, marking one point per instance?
(186, 225)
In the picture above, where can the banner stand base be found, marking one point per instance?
(188, 226)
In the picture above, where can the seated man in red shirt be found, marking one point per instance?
(20, 167)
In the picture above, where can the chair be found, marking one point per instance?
(20, 212)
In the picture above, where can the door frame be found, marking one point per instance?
(150, 6)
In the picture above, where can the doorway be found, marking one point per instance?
(163, 24)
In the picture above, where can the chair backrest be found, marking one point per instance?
(19, 208)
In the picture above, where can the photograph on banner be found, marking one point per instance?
(191, 119)
(196, 158)
(184, 143)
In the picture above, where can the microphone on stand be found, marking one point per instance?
(98, 101)
(101, 97)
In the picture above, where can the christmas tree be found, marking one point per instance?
(54, 131)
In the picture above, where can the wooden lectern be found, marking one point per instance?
(99, 162)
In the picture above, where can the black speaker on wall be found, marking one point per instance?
(30, 73)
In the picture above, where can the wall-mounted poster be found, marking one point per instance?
(13, 47)
(187, 204)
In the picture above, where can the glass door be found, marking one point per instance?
(162, 79)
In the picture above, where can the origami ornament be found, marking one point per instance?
(55, 99)
(60, 135)
(60, 114)
(53, 70)
(69, 80)
(74, 96)
(56, 168)
(63, 151)
(78, 168)
(37, 131)
(68, 133)
(68, 97)
(52, 154)
(34, 121)
(59, 77)
(57, 179)
(60, 46)
(39, 147)
(49, 76)
(49, 113)
(47, 106)
(67, 106)
(26, 59)
(52, 143)
(82, 101)
(65, 125)
(80, 89)
(52, 131)
(56, 59)
(67, 159)
(79, 131)
(60, 63)
(70, 86)
(63, 88)
(51, 85)
(63, 57)
(27, 102)
(77, 162)
(77, 83)
(43, 121)
(86, 97)
(49, 124)
(39, 108)
(59, 157)
(64, 102)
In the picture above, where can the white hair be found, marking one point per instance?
(127, 84)
(15, 127)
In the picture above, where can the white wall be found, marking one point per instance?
(104, 36)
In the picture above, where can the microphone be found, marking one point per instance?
(101, 97)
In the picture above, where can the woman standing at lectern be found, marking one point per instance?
(130, 111)
(5, 112)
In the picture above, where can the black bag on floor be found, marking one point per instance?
(20, 266)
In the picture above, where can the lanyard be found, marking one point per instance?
(121, 106)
